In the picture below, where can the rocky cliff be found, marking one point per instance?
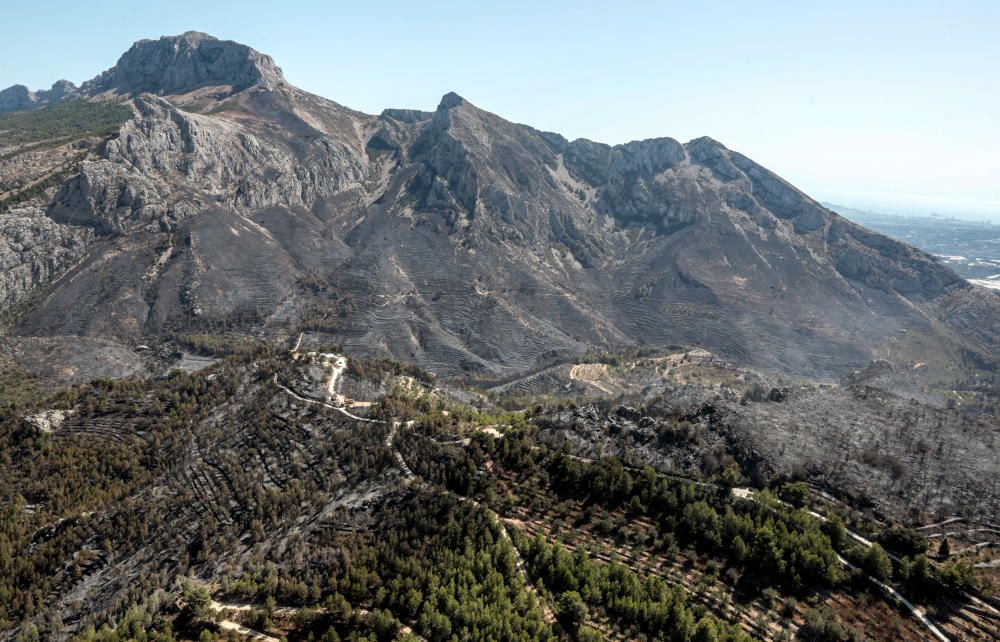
(180, 64)
(34, 249)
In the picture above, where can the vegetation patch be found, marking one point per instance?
(69, 120)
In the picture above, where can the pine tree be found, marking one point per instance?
(877, 563)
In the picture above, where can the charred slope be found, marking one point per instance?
(905, 460)
(461, 241)
(133, 484)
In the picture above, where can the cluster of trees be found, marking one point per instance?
(924, 580)
(17, 387)
(71, 119)
(458, 463)
(779, 546)
(458, 578)
(649, 608)
(438, 565)
(140, 624)
(510, 420)
(905, 542)
(444, 465)
(218, 344)
(794, 493)
(377, 369)
(915, 575)
(329, 312)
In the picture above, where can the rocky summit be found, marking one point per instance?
(453, 239)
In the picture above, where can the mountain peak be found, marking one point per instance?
(191, 36)
(15, 97)
(20, 97)
(450, 100)
(705, 142)
(183, 63)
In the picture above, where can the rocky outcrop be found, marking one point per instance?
(219, 162)
(886, 264)
(16, 98)
(107, 198)
(47, 421)
(61, 90)
(33, 250)
(179, 64)
(407, 115)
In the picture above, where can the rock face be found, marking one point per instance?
(179, 64)
(33, 250)
(458, 240)
(234, 167)
(16, 98)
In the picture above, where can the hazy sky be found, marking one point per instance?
(894, 107)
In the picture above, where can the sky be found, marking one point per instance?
(891, 106)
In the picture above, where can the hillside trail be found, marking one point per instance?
(335, 371)
(950, 520)
(519, 564)
(390, 444)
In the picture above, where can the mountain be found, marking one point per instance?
(453, 239)
(20, 97)
(643, 391)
